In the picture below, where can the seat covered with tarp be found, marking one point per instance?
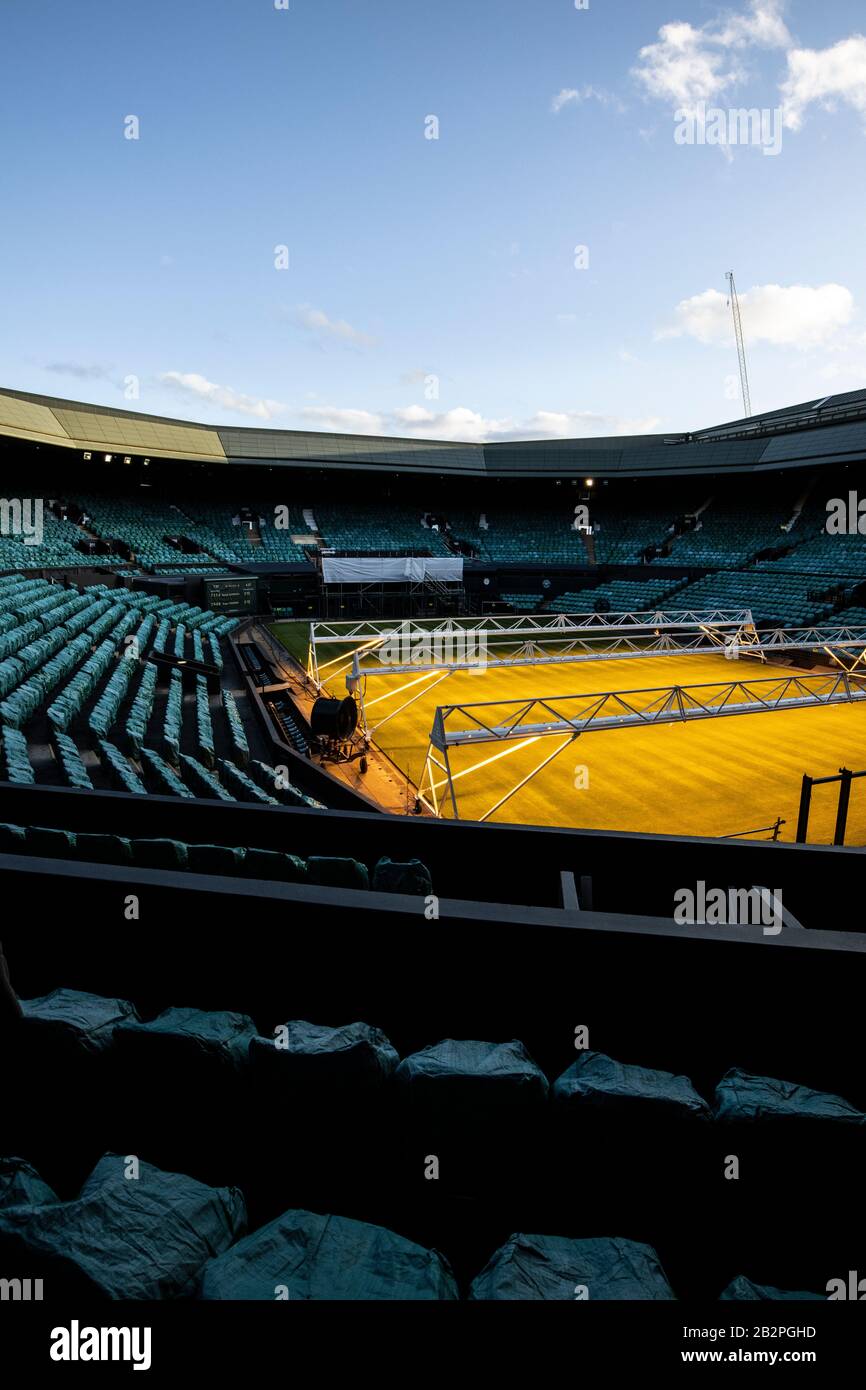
(302, 1255)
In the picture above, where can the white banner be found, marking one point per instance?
(448, 569)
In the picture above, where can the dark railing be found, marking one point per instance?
(761, 830)
(844, 777)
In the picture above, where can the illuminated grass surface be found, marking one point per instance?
(295, 637)
(718, 777)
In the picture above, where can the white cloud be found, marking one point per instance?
(416, 421)
(682, 69)
(579, 424)
(826, 76)
(316, 321)
(414, 415)
(845, 371)
(83, 371)
(193, 384)
(575, 96)
(460, 425)
(689, 65)
(332, 420)
(764, 26)
(464, 426)
(801, 316)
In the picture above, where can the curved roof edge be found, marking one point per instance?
(828, 430)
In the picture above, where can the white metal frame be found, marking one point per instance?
(574, 635)
(525, 721)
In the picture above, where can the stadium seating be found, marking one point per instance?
(75, 772)
(204, 782)
(552, 1267)
(773, 596)
(204, 726)
(171, 730)
(144, 1239)
(79, 659)
(377, 526)
(385, 876)
(165, 779)
(512, 538)
(141, 708)
(619, 596)
(621, 533)
(522, 602)
(57, 547)
(240, 744)
(242, 786)
(728, 534)
(142, 522)
(223, 1230)
(16, 763)
(119, 770)
(304, 1255)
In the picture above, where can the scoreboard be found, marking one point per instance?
(234, 595)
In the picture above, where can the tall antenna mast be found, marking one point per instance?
(741, 346)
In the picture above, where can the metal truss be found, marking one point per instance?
(433, 644)
(425, 645)
(570, 716)
(530, 624)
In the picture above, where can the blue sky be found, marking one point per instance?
(431, 286)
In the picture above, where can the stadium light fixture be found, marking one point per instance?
(108, 458)
(590, 482)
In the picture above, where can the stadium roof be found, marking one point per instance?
(827, 430)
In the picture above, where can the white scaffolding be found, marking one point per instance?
(567, 717)
(431, 644)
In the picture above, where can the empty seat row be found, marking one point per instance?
(141, 708)
(72, 698)
(106, 709)
(135, 1231)
(162, 634)
(242, 786)
(216, 655)
(22, 703)
(453, 1079)
(124, 777)
(204, 725)
(16, 761)
(272, 866)
(277, 783)
(167, 781)
(240, 744)
(66, 751)
(173, 716)
(204, 782)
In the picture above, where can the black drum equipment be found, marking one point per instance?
(334, 719)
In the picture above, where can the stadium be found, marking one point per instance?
(248, 683)
(432, 683)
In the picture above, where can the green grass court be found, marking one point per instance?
(719, 777)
